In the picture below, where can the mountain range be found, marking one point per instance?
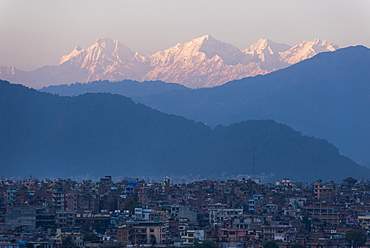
(102, 133)
(129, 88)
(201, 62)
(326, 96)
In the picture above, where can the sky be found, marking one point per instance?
(34, 33)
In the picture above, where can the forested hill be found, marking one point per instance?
(326, 96)
(101, 134)
(127, 88)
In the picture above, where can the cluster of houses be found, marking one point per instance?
(232, 213)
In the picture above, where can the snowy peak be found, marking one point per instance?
(105, 42)
(318, 43)
(202, 48)
(101, 50)
(274, 56)
(266, 45)
(201, 62)
(270, 55)
(7, 70)
(267, 52)
(74, 53)
(202, 39)
(230, 54)
(105, 52)
(106, 59)
(109, 46)
(194, 46)
(307, 49)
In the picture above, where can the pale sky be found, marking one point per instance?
(34, 33)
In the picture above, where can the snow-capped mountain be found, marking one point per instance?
(201, 62)
(107, 59)
(306, 49)
(266, 52)
(274, 56)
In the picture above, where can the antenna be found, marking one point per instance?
(254, 163)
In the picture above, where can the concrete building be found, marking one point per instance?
(21, 217)
(193, 236)
(216, 216)
(141, 232)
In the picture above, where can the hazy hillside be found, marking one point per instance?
(326, 96)
(48, 135)
(127, 88)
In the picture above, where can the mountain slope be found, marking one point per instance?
(201, 62)
(306, 50)
(267, 52)
(127, 88)
(107, 59)
(326, 96)
(274, 56)
(96, 134)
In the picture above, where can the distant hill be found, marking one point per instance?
(327, 96)
(101, 134)
(201, 62)
(127, 88)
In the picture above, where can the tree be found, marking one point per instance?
(356, 237)
(91, 237)
(131, 205)
(68, 242)
(307, 222)
(297, 246)
(271, 244)
(204, 244)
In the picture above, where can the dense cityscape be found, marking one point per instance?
(184, 124)
(218, 213)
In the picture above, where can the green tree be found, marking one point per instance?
(204, 244)
(297, 246)
(91, 237)
(124, 182)
(131, 205)
(271, 244)
(68, 242)
(356, 237)
(307, 222)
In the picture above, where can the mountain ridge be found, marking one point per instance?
(53, 136)
(329, 88)
(126, 87)
(325, 96)
(201, 62)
